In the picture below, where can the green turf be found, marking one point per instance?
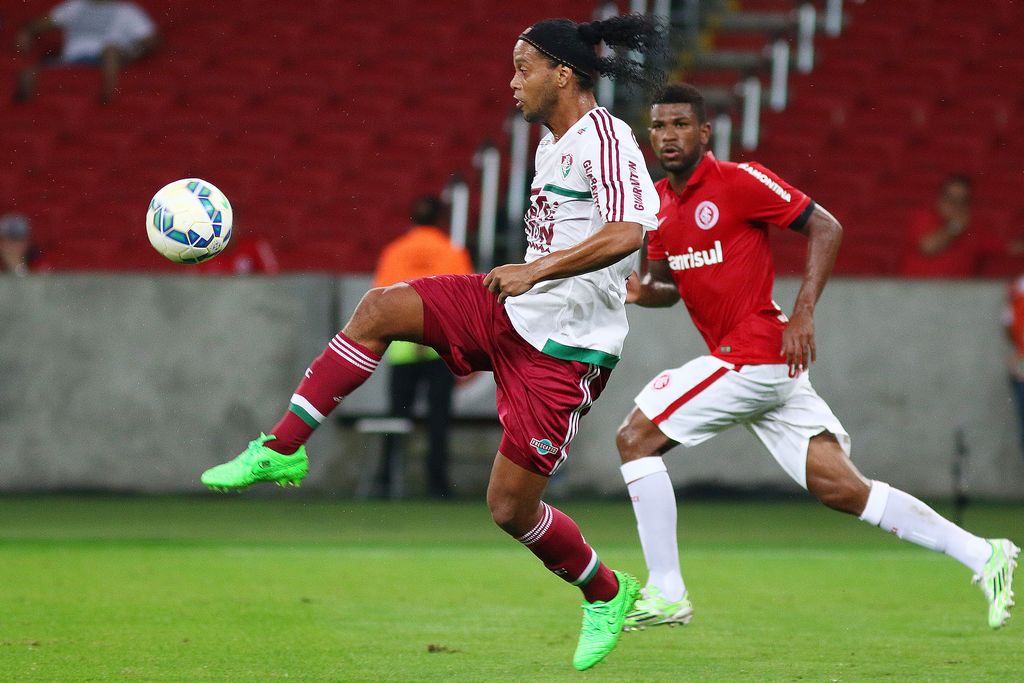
(239, 589)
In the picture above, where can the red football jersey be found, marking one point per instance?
(715, 238)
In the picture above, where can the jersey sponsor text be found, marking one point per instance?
(634, 181)
(766, 181)
(696, 258)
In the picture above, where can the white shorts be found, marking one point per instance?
(692, 403)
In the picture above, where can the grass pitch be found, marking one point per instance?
(243, 589)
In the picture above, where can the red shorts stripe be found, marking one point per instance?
(674, 406)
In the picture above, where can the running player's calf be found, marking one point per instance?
(513, 496)
(834, 480)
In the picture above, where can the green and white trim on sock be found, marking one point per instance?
(589, 572)
(305, 411)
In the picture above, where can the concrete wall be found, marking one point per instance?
(139, 383)
(902, 364)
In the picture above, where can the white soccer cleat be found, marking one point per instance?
(653, 610)
(996, 580)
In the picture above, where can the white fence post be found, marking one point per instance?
(489, 161)
(751, 121)
(807, 16)
(722, 134)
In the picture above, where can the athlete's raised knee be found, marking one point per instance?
(387, 313)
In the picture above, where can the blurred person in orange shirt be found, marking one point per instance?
(424, 250)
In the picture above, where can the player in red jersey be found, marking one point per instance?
(711, 250)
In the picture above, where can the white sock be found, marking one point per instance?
(654, 503)
(911, 520)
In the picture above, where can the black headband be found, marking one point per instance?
(561, 40)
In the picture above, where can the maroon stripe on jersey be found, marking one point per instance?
(620, 186)
(600, 136)
(615, 182)
(676, 404)
(605, 168)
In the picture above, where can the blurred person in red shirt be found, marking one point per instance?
(947, 242)
(245, 255)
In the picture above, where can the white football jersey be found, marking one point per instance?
(592, 175)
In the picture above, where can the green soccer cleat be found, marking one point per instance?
(996, 580)
(258, 463)
(602, 623)
(653, 610)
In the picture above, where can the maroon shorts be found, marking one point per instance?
(540, 398)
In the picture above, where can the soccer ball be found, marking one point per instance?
(189, 221)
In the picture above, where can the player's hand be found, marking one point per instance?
(798, 342)
(510, 280)
(633, 288)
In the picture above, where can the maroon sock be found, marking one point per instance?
(332, 376)
(557, 541)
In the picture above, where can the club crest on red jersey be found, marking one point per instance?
(706, 215)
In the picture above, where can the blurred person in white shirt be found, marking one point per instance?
(102, 33)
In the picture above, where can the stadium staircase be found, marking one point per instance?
(910, 92)
(320, 120)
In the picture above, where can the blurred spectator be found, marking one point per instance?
(422, 251)
(1013, 320)
(101, 33)
(947, 241)
(244, 256)
(17, 254)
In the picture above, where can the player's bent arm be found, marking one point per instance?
(657, 290)
(610, 244)
(824, 235)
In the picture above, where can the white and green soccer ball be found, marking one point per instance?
(189, 221)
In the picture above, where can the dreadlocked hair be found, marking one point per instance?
(627, 33)
(566, 42)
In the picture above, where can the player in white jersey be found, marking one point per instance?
(591, 175)
(550, 329)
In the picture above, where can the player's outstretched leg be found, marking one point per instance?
(514, 497)
(383, 315)
(833, 479)
(663, 600)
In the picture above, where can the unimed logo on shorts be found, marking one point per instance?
(544, 446)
